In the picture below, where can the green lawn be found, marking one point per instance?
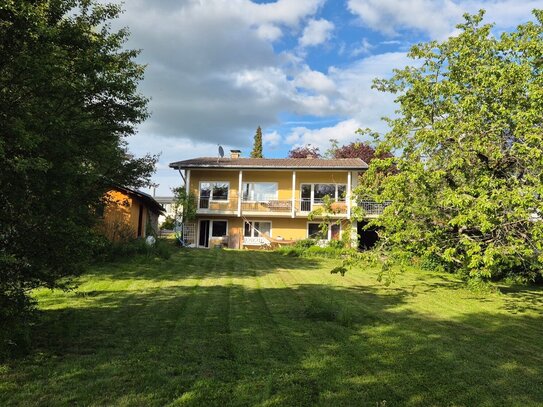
(222, 327)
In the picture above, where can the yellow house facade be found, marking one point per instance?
(244, 202)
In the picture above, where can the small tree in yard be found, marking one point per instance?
(257, 145)
(467, 193)
(68, 98)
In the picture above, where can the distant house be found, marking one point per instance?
(249, 201)
(129, 214)
(169, 206)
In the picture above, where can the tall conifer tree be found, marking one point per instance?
(257, 145)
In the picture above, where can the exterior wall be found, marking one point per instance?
(121, 217)
(286, 228)
(283, 224)
(283, 179)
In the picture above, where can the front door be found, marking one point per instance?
(203, 238)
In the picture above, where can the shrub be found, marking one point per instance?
(113, 251)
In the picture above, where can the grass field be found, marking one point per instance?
(224, 328)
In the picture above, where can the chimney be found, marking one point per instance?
(235, 154)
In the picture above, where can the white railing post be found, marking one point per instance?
(240, 192)
(293, 204)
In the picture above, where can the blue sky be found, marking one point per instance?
(300, 69)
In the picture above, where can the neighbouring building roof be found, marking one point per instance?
(272, 163)
(164, 199)
(147, 199)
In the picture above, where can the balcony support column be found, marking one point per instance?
(240, 192)
(353, 176)
(293, 203)
(348, 197)
(187, 181)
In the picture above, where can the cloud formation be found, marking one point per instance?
(435, 18)
(316, 32)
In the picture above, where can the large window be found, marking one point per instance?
(256, 228)
(219, 228)
(259, 191)
(214, 190)
(315, 193)
(315, 231)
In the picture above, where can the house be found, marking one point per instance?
(170, 209)
(246, 202)
(129, 214)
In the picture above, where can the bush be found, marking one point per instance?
(113, 251)
(303, 249)
(305, 243)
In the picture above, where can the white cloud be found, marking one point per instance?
(343, 131)
(269, 32)
(436, 18)
(314, 80)
(390, 16)
(356, 98)
(272, 140)
(316, 32)
(363, 48)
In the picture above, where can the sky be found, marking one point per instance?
(300, 69)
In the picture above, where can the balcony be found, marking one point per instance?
(272, 207)
(372, 209)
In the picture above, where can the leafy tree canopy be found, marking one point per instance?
(355, 149)
(257, 145)
(68, 99)
(305, 152)
(469, 144)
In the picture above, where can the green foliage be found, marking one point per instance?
(257, 145)
(466, 195)
(169, 223)
(68, 99)
(108, 251)
(185, 204)
(331, 251)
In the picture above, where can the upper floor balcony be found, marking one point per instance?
(237, 206)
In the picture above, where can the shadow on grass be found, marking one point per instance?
(191, 263)
(303, 345)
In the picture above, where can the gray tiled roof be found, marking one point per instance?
(272, 163)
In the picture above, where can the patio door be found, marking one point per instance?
(306, 197)
(203, 234)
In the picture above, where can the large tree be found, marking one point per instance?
(257, 144)
(467, 195)
(68, 99)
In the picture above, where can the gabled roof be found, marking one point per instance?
(142, 196)
(272, 163)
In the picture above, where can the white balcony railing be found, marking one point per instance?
(302, 207)
(372, 207)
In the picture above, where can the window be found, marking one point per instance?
(322, 190)
(220, 191)
(215, 191)
(315, 193)
(259, 191)
(314, 231)
(254, 229)
(219, 228)
(341, 192)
